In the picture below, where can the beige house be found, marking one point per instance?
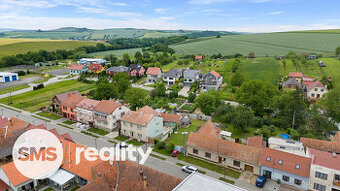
(325, 171)
(85, 110)
(316, 90)
(207, 144)
(142, 124)
(107, 113)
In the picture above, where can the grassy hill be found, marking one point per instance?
(17, 46)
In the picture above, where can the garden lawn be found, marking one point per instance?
(13, 89)
(134, 143)
(332, 69)
(177, 138)
(121, 138)
(98, 131)
(28, 101)
(49, 115)
(187, 107)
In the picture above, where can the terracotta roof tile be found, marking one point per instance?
(153, 71)
(207, 137)
(213, 72)
(314, 85)
(14, 125)
(256, 142)
(107, 106)
(96, 67)
(336, 137)
(61, 97)
(88, 104)
(171, 117)
(72, 100)
(289, 161)
(295, 75)
(326, 159)
(77, 67)
(321, 145)
(140, 117)
(3, 186)
(13, 174)
(3, 121)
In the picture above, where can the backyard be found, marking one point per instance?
(177, 138)
(28, 101)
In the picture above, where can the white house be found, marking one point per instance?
(316, 90)
(171, 76)
(286, 145)
(91, 61)
(325, 171)
(85, 111)
(153, 74)
(107, 113)
(8, 77)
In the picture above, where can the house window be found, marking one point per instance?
(131, 125)
(195, 151)
(139, 127)
(321, 175)
(316, 89)
(237, 163)
(297, 166)
(313, 95)
(208, 155)
(337, 177)
(319, 187)
(285, 178)
(322, 90)
(125, 124)
(268, 159)
(126, 131)
(297, 181)
(140, 135)
(280, 162)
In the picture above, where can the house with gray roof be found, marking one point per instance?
(292, 84)
(171, 76)
(116, 69)
(211, 80)
(190, 76)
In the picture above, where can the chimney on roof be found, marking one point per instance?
(141, 174)
(334, 155)
(145, 183)
(111, 163)
(10, 121)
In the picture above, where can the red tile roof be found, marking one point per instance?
(213, 72)
(96, 67)
(3, 121)
(336, 137)
(256, 142)
(3, 186)
(140, 117)
(289, 161)
(321, 145)
(199, 57)
(88, 104)
(14, 125)
(107, 106)
(77, 67)
(207, 137)
(325, 159)
(72, 100)
(314, 85)
(63, 96)
(306, 83)
(153, 71)
(171, 117)
(13, 174)
(295, 75)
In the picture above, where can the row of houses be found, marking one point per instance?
(94, 174)
(308, 165)
(313, 89)
(78, 69)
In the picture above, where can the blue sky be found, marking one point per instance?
(230, 15)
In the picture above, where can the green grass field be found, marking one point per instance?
(27, 101)
(177, 138)
(262, 44)
(18, 46)
(130, 51)
(13, 89)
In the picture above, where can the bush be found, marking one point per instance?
(293, 134)
(21, 73)
(160, 145)
(170, 147)
(155, 141)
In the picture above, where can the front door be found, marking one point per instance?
(267, 174)
(220, 159)
(248, 168)
(131, 134)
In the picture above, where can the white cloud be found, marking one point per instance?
(107, 12)
(27, 3)
(90, 10)
(276, 13)
(160, 10)
(207, 2)
(119, 4)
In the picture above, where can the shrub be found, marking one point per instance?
(160, 145)
(170, 147)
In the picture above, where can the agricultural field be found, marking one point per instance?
(156, 34)
(28, 101)
(18, 46)
(130, 51)
(262, 44)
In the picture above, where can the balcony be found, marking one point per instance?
(336, 182)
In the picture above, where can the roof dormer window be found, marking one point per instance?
(297, 166)
(268, 159)
(280, 162)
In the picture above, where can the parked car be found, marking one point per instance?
(189, 169)
(261, 181)
(174, 153)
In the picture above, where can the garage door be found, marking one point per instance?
(249, 168)
(7, 79)
(14, 78)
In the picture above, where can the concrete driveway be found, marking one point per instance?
(184, 91)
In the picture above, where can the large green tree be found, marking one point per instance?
(331, 104)
(208, 101)
(105, 91)
(237, 79)
(241, 118)
(135, 97)
(319, 124)
(160, 90)
(257, 94)
(122, 82)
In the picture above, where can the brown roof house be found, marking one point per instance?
(131, 176)
(69, 106)
(333, 147)
(108, 113)
(142, 124)
(207, 144)
(85, 111)
(315, 90)
(171, 120)
(286, 167)
(58, 100)
(153, 74)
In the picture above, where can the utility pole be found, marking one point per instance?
(293, 123)
(37, 104)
